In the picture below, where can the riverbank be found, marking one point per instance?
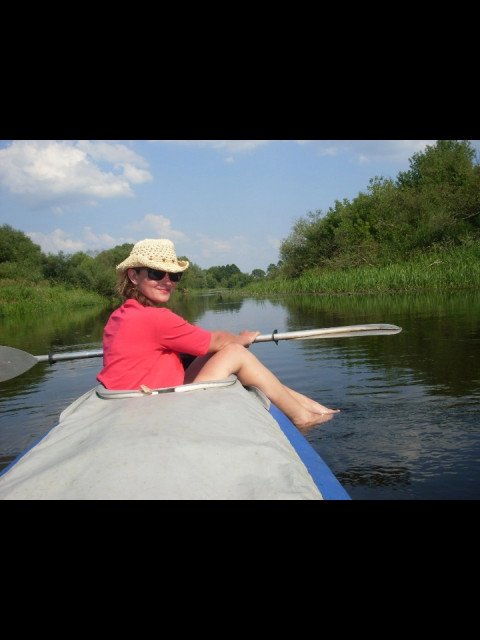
(446, 269)
(19, 298)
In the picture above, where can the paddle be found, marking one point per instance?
(333, 332)
(14, 362)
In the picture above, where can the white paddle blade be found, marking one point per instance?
(14, 362)
(333, 332)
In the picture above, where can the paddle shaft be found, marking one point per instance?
(73, 355)
(14, 362)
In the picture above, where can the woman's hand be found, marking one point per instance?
(250, 335)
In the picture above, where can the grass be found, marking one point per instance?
(20, 298)
(457, 268)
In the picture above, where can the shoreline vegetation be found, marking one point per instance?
(448, 269)
(19, 299)
(457, 268)
(420, 232)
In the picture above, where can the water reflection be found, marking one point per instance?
(376, 476)
(40, 334)
(439, 344)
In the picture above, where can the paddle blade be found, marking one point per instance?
(14, 362)
(334, 332)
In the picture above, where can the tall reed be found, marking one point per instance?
(457, 268)
(18, 298)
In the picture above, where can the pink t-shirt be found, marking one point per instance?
(141, 345)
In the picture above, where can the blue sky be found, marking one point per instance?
(220, 201)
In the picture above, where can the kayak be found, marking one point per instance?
(201, 441)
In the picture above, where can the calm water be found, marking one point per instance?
(409, 427)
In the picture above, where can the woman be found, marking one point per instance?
(143, 340)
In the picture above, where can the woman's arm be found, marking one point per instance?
(221, 338)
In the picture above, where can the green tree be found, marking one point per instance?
(16, 246)
(112, 257)
(56, 267)
(193, 278)
(221, 274)
(448, 163)
(441, 194)
(238, 280)
(436, 203)
(311, 242)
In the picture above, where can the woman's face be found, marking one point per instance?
(157, 291)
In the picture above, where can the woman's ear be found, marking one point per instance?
(132, 276)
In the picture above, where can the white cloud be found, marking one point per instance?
(364, 151)
(157, 227)
(229, 146)
(274, 242)
(53, 173)
(99, 241)
(70, 243)
(218, 248)
(134, 175)
(114, 153)
(57, 241)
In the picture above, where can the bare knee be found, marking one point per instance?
(233, 349)
(233, 354)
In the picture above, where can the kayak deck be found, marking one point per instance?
(213, 441)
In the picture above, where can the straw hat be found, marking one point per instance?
(153, 254)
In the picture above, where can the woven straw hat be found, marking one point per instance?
(153, 254)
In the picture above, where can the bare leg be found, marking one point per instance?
(195, 367)
(233, 358)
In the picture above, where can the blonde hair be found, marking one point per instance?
(127, 290)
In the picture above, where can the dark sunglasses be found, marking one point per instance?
(155, 274)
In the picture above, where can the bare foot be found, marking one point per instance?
(311, 405)
(311, 419)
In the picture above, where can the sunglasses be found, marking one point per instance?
(155, 274)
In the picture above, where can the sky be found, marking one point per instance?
(220, 201)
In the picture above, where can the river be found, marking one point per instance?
(409, 426)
